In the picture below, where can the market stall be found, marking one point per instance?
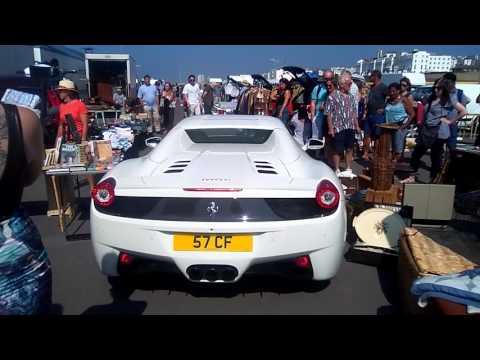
(415, 228)
(104, 150)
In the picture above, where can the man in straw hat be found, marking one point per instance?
(71, 105)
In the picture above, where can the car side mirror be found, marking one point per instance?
(152, 142)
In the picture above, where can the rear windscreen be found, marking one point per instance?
(229, 136)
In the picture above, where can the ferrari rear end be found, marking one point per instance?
(217, 235)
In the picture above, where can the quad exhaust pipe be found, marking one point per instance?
(212, 273)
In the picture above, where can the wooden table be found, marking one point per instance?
(68, 209)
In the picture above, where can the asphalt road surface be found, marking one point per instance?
(79, 287)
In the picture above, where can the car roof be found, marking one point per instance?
(231, 121)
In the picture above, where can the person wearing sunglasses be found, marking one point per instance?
(342, 122)
(315, 126)
(192, 95)
(375, 111)
(436, 130)
(405, 91)
(148, 94)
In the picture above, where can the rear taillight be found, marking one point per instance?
(303, 262)
(327, 195)
(103, 194)
(125, 259)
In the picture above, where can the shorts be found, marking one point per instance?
(370, 125)
(195, 110)
(344, 140)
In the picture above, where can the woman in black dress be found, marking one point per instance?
(169, 101)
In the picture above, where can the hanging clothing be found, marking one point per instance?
(242, 106)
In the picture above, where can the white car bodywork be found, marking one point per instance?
(222, 166)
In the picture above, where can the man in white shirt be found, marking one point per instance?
(148, 94)
(192, 96)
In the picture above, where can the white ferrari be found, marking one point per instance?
(218, 197)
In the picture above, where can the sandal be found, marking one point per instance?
(409, 180)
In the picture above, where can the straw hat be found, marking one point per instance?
(66, 84)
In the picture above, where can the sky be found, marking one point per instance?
(176, 62)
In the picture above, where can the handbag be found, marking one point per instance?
(428, 135)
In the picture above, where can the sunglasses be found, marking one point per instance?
(403, 84)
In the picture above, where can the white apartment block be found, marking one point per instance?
(443, 63)
(414, 62)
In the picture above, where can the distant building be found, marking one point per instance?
(271, 76)
(337, 70)
(201, 79)
(361, 67)
(467, 63)
(413, 62)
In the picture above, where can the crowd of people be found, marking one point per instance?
(338, 114)
(341, 112)
(160, 100)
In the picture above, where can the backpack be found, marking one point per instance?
(459, 95)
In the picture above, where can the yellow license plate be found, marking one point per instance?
(213, 242)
